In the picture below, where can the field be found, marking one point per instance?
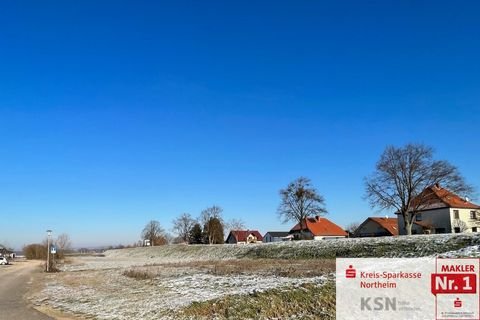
(289, 280)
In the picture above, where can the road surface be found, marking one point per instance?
(14, 283)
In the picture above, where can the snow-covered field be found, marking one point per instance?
(98, 287)
(107, 294)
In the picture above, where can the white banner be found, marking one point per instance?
(408, 288)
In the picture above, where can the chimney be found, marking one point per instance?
(437, 185)
(317, 218)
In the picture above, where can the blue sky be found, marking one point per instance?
(113, 113)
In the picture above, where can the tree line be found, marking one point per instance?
(208, 228)
(399, 183)
(38, 251)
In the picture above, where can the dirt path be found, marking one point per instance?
(14, 283)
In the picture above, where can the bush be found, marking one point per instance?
(35, 251)
(138, 274)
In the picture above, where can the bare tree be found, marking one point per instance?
(460, 225)
(235, 224)
(35, 251)
(154, 232)
(403, 179)
(212, 221)
(63, 244)
(299, 201)
(352, 227)
(214, 231)
(182, 226)
(167, 238)
(211, 212)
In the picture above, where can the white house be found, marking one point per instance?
(244, 236)
(276, 236)
(445, 212)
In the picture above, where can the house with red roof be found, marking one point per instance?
(377, 227)
(444, 212)
(244, 236)
(317, 228)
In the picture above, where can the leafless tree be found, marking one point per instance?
(154, 232)
(460, 224)
(352, 227)
(212, 221)
(35, 251)
(63, 244)
(182, 226)
(235, 224)
(403, 177)
(167, 238)
(211, 212)
(214, 231)
(300, 200)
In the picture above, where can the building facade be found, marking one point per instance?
(445, 212)
(276, 236)
(244, 236)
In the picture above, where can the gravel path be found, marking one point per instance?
(15, 280)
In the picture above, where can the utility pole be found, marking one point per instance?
(49, 234)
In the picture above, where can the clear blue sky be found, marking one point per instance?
(113, 113)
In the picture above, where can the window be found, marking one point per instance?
(456, 215)
(473, 215)
(474, 229)
(456, 230)
(419, 217)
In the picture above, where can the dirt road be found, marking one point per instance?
(14, 283)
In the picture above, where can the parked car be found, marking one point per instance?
(3, 261)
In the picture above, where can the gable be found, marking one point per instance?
(242, 235)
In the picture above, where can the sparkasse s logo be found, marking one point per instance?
(350, 272)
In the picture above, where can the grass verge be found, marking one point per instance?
(308, 301)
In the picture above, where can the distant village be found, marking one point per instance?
(446, 212)
(406, 182)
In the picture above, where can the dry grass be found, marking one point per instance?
(139, 274)
(306, 302)
(281, 268)
(76, 279)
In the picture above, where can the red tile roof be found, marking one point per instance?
(437, 197)
(241, 235)
(389, 224)
(320, 227)
(453, 200)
